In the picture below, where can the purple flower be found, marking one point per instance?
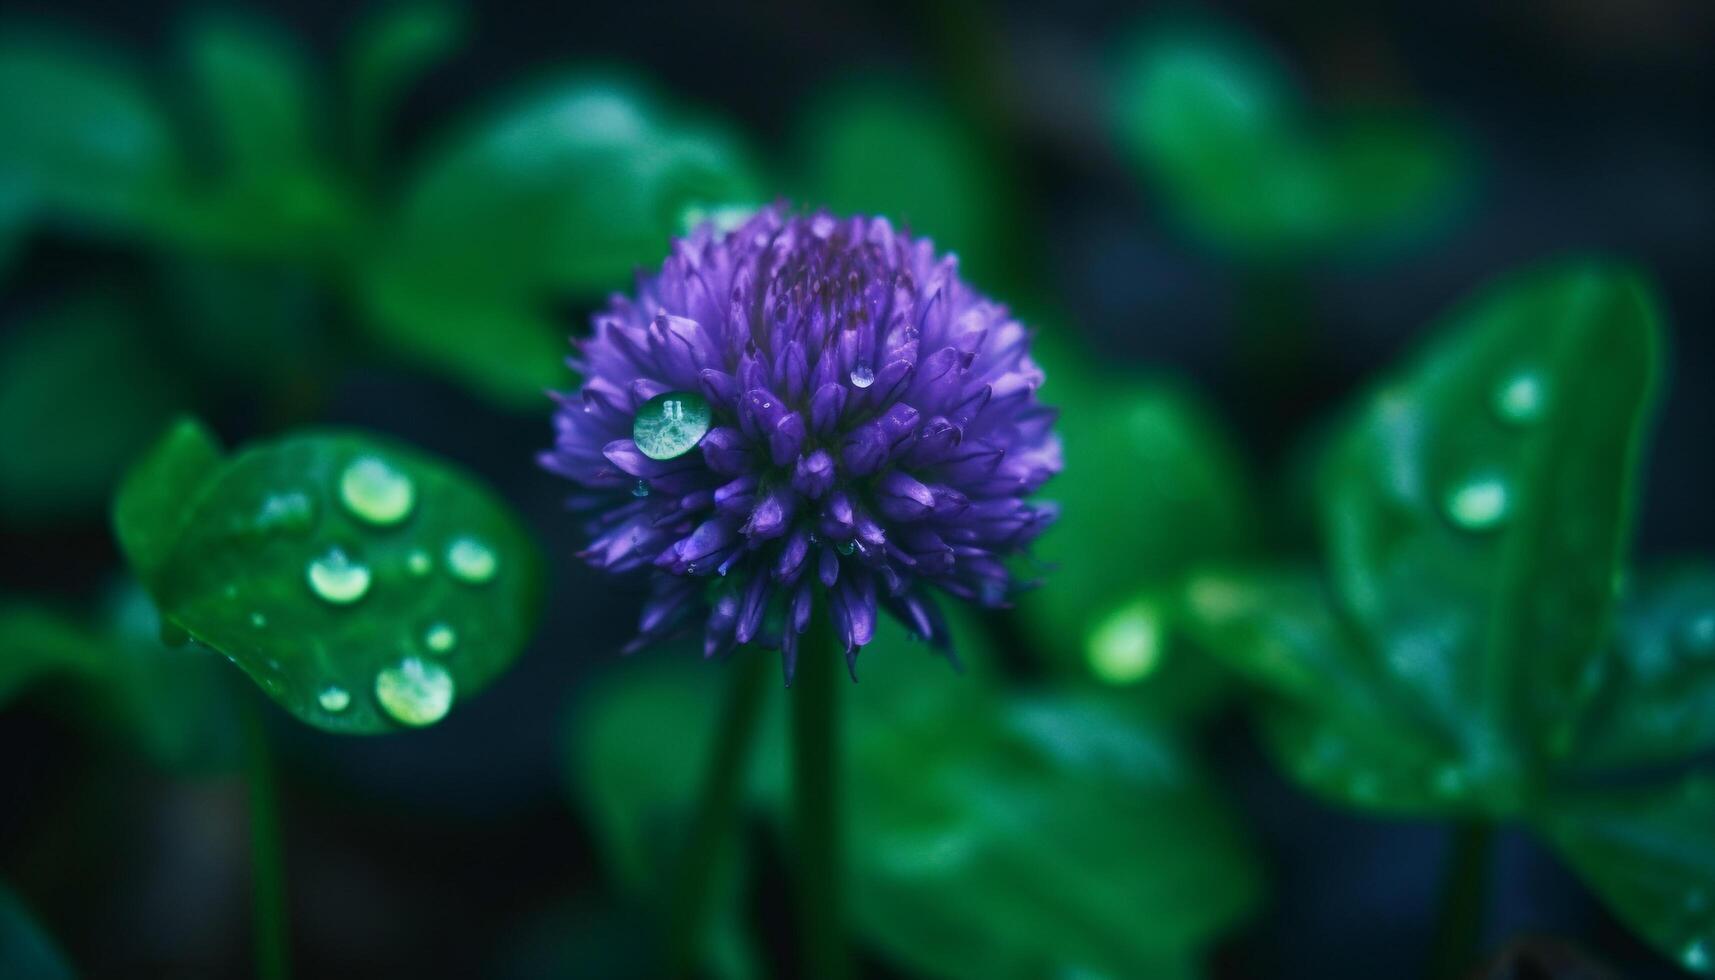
(871, 430)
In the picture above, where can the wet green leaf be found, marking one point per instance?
(85, 139)
(362, 584)
(153, 501)
(564, 191)
(894, 150)
(1027, 836)
(27, 952)
(1479, 507)
(1151, 489)
(82, 391)
(1652, 693)
(1222, 132)
(1650, 855)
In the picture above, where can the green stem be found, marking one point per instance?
(267, 859)
(1464, 901)
(722, 780)
(815, 784)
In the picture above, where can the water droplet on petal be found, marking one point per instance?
(862, 376)
(415, 691)
(334, 698)
(338, 579)
(671, 424)
(374, 491)
(1520, 399)
(1478, 504)
(440, 638)
(471, 561)
(640, 488)
(846, 547)
(418, 562)
(1126, 647)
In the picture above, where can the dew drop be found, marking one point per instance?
(1519, 399)
(862, 376)
(671, 424)
(418, 562)
(440, 638)
(471, 561)
(334, 698)
(1478, 504)
(338, 579)
(374, 491)
(846, 547)
(640, 488)
(1126, 647)
(415, 691)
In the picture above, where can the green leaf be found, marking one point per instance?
(1478, 508)
(362, 584)
(1651, 857)
(81, 392)
(266, 126)
(1651, 696)
(1152, 488)
(893, 150)
(85, 139)
(637, 745)
(392, 47)
(36, 641)
(153, 502)
(1224, 135)
(996, 836)
(27, 952)
(1333, 718)
(564, 191)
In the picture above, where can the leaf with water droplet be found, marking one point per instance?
(1650, 854)
(1477, 555)
(344, 595)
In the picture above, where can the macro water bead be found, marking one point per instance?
(805, 409)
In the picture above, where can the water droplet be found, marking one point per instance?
(374, 491)
(1520, 399)
(292, 512)
(640, 488)
(846, 547)
(471, 561)
(1478, 504)
(1126, 647)
(1698, 633)
(415, 691)
(418, 562)
(670, 424)
(862, 376)
(334, 698)
(338, 579)
(1696, 956)
(259, 620)
(440, 638)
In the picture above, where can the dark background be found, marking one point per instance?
(452, 851)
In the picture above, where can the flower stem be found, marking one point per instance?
(688, 902)
(267, 860)
(815, 783)
(1464, 901)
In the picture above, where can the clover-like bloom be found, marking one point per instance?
(802, 404)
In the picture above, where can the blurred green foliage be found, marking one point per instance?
(991, 832)
(362, 584)
(26, 952)
(1226, 139)
(1477, 513)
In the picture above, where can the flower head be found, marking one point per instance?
(803, 404)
